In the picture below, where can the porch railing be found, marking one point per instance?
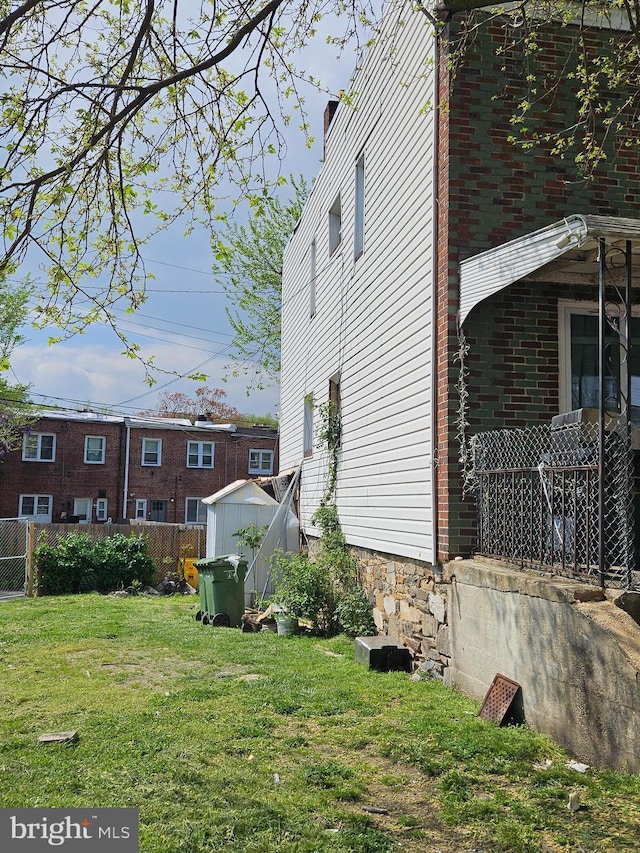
(537, 493)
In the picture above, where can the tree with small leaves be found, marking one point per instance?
(248, 259)
(120, 119)
(208, 403)
(16, 412)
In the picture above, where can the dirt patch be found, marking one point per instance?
(138, 668)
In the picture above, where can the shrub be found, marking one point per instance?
(304, 588)
(119, 560)
(353, 614)
(68, 567)
(78, 564)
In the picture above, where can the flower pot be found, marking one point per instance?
(286, 624)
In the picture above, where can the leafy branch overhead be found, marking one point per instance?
(597, 62)
(120, 118)
(16, 412)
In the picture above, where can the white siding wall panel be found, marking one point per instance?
(373, 319)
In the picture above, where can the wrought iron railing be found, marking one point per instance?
(538, 501)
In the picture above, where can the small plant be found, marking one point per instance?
(353, 613)
(251, 537)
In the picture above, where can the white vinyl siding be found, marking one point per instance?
(373, 320)
(312, 279)
(358, 224)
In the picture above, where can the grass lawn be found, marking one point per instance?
(253, 742)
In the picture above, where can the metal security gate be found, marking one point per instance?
(14, 557)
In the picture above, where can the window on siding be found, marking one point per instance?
(94, 447)
(335, 225)
(358, 225)
(312, 279)
(334, 397)
(308, 426)
(151, 451)
(39, 447)
(200, 454)
(261, 461)
(195, 512)
(36, 507)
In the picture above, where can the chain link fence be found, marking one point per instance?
(13, 556)
(538, 502)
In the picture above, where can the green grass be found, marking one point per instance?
(254, 742)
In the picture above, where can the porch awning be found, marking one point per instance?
(565, 252)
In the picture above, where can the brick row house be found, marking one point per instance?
(87, 467)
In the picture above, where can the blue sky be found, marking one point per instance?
(183, 323)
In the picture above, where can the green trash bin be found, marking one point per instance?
(221, 586)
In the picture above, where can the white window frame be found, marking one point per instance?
(307, 428)
(261, 455)
(158, 461)
(28, 439)
(35, 515)
(200, 454)
(566, 308)
(103, 448)
(335, 225)
(141, 509)
(358, 221)
(101, 509)
(201, 510)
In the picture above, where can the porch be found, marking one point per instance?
(549, 318)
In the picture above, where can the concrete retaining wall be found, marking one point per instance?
(578, 662)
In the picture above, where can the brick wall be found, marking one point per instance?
(69, 477)
(174, 482)
(491, 191)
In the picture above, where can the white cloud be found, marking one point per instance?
(97, 373)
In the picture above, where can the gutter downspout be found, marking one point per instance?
(434, 286)
(126, 467)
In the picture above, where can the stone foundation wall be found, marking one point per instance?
(410, 604)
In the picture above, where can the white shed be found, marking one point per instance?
(237, 506)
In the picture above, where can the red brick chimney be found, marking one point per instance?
(329, 112)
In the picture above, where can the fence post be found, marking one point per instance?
(29, 558)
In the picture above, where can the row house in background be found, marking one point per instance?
(88, 467)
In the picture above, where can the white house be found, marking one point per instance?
(358, 302)
(432, 284)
